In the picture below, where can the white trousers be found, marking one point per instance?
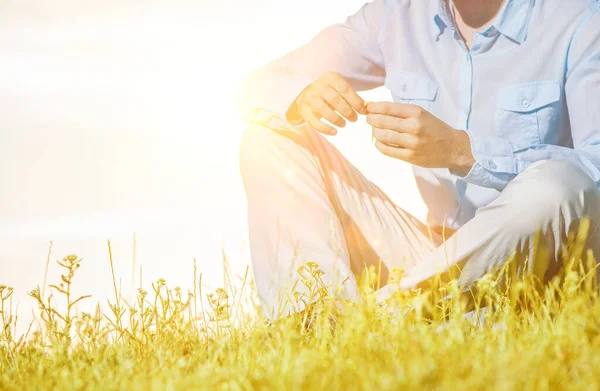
(307, 203)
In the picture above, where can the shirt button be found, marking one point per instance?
(493, 165)
(466, 111)
(404, 87)
(526, 103)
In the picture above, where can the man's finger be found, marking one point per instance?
(394, 139)
(397, 153)
(347, 92)
(337, 102)
(391, 122)
(315, 123)
(400, 110)
(321, 108)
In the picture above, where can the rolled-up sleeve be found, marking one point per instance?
(497, 162)
(351, 49)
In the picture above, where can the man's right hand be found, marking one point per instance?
(321, 99)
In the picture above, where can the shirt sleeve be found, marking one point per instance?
(497, 162)
(351, 49)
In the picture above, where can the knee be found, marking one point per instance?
(253, 140)
(263, 149)
(550, 187)
(253, 147)
(561, 181)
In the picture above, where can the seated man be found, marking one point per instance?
(496, 106)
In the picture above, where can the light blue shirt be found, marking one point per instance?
(528, 90)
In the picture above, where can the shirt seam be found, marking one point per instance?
(389, 5)
(577, 34)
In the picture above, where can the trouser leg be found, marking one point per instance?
(548, 200)
(307, 203)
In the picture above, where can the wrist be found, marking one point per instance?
(463, 159)
(292, 115)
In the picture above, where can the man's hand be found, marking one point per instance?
(321, 99)
(410, 133)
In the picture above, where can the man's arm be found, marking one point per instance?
(496, 163)
(351, 49)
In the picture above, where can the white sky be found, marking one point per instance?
(117, 118)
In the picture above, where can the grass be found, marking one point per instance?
(509, 332)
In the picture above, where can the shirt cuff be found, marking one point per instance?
(494, 162)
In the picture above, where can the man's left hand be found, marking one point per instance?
(410, 133)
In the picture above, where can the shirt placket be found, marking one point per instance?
(465, 102)
(465, 90)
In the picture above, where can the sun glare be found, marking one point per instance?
(122, 124)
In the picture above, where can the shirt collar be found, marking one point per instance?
(442, 18)
(512, 21)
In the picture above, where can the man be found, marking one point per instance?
(495, 104)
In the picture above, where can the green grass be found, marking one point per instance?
(529, 337)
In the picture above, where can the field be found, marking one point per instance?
(496, 336)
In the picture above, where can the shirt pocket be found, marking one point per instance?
(410, 88)
(525, 111)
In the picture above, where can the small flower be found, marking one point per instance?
(34, 293)
(312, 265)
(71, 259)
(323, 292)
